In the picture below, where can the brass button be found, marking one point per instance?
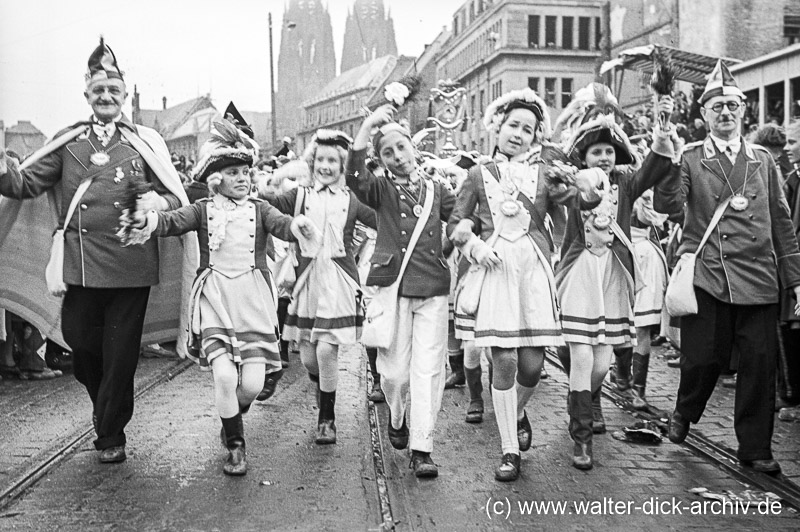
(211, 264)
(116, 205)
(403, 250)
(402, 197)
(724, 237)
(252, 250)
(84, 231)
(751, 216)
(588, 244)
(433, 252)
(608, 245)
(83, 207)
(716, 196)
(402, 215)
(725, 256)
(252, 235)
(403, 233)
(588, 230)
(753, 238)
(430, 233)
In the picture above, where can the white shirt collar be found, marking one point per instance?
(735, 143)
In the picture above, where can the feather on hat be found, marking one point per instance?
(227, 146)
(590, 101)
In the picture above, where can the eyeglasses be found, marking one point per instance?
(717, 107)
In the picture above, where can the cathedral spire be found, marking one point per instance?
(368, 34)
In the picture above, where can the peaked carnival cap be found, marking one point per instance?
(233, 116)
(102, 64)
(721, 83)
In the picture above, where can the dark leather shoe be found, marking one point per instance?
(326, 432)
(678, 427)
(423, 465)
(113, 455)
(270, 383)
(236, 463)
(475, 411)
(455, 379)
(509, 468)
(524, 432)
(769, 466)
(398, 437)
(377, 395)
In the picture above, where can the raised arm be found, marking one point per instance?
(31, 182)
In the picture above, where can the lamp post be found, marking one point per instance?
(273, 117)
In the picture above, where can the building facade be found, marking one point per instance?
(496, 46)
(368, 34)
(342, 103)
(306, 62)
(23, 139)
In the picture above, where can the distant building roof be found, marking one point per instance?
(24, 127)
(403, 67)
(168, 121)
(366, 76)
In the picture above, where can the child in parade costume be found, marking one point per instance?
(414, 364)
(325, 310)
(647, 227)
(517, 314)
(233, 310)
(597, 271)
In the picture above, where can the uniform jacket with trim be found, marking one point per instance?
(266, 219)
(630, 185)
(749, 250)
(357, 211)
(427, 273)
(93, 255)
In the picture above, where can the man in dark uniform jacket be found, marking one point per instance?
(737, 272)
(108, 285)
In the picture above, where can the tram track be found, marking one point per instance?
(720, 455)
(66, 446)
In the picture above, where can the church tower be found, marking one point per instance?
(368, 33)
(306, 62)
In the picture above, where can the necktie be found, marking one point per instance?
(104, 132)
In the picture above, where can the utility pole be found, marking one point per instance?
(273, 114)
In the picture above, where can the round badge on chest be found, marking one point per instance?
(417, 210)
(739, 202)
(99, 158)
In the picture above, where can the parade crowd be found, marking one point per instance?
(588, 234)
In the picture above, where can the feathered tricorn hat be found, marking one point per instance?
(591, 117)
(227, 146)
(524, 99)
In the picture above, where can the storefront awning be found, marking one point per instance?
(688, 66)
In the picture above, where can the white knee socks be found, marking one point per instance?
(505, 411)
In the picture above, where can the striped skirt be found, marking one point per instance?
(326, 308)
(516, 303)
(596, 301)
(235, 318)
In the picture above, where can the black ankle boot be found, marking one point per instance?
(580, 428)
(640, 367)
(326, 426)
(475, 386)
(270, 384)
(236, 463)
(457, 377)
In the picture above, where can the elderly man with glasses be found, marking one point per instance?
(751, 252)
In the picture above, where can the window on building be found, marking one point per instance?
(566, 91)
(566, 32)
(598, 35)
(533, 31)
(481, 98)
(472, 106)
(791, 28)
(550, 32)
(584, 27)
(471, 12)
(550, 91)
(533, 83)
(455, 25)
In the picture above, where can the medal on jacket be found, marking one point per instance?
(739, 202)
(601, 221)
(119, 175)
(417, 210)
(99, 158)
(510, 207)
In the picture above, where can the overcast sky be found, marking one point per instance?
(175, 48)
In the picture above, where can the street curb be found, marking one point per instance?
(377, 460)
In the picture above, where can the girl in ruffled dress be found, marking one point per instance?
(232, 310)
(325, 311)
